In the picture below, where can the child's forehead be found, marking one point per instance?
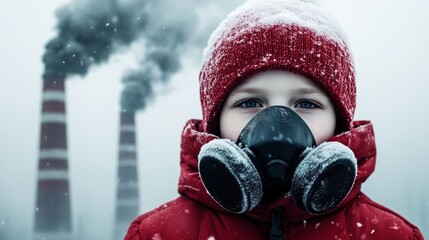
(276, 84)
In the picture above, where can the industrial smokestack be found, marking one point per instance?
(127, 194)
(52, 218)
(88, 33)
(166, 38)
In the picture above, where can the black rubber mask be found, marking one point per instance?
(274, 156)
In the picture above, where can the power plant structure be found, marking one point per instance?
(127, 193)
(53, 210)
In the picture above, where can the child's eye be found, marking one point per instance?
(307, 104)
(250, 103)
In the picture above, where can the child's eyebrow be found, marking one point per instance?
(250, 90)
(308, 91)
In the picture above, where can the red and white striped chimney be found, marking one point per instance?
(52, 216)
(127, 194)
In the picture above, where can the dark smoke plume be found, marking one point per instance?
(170, 26)
(138, 90)
(90, 31)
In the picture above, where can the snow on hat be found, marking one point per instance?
(288, 35)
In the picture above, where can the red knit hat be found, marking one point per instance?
(287, 35)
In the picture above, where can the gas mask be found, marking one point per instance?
(274, 156)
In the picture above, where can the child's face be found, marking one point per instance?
(278, 88)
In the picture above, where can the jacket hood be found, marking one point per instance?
(360, 139)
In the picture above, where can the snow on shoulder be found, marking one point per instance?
(271, 12)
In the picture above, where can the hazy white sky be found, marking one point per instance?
(389, 42)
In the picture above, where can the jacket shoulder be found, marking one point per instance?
(176, 219)
(371, 219)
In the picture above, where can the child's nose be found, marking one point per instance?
(279, 101)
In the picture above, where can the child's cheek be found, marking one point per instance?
(232, 123)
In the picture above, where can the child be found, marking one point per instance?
(279, 70)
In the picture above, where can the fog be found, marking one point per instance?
(389, 44)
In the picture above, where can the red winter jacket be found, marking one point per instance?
(195, 215)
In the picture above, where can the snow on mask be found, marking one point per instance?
(275, 155)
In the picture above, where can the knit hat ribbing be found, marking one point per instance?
(287, 35)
